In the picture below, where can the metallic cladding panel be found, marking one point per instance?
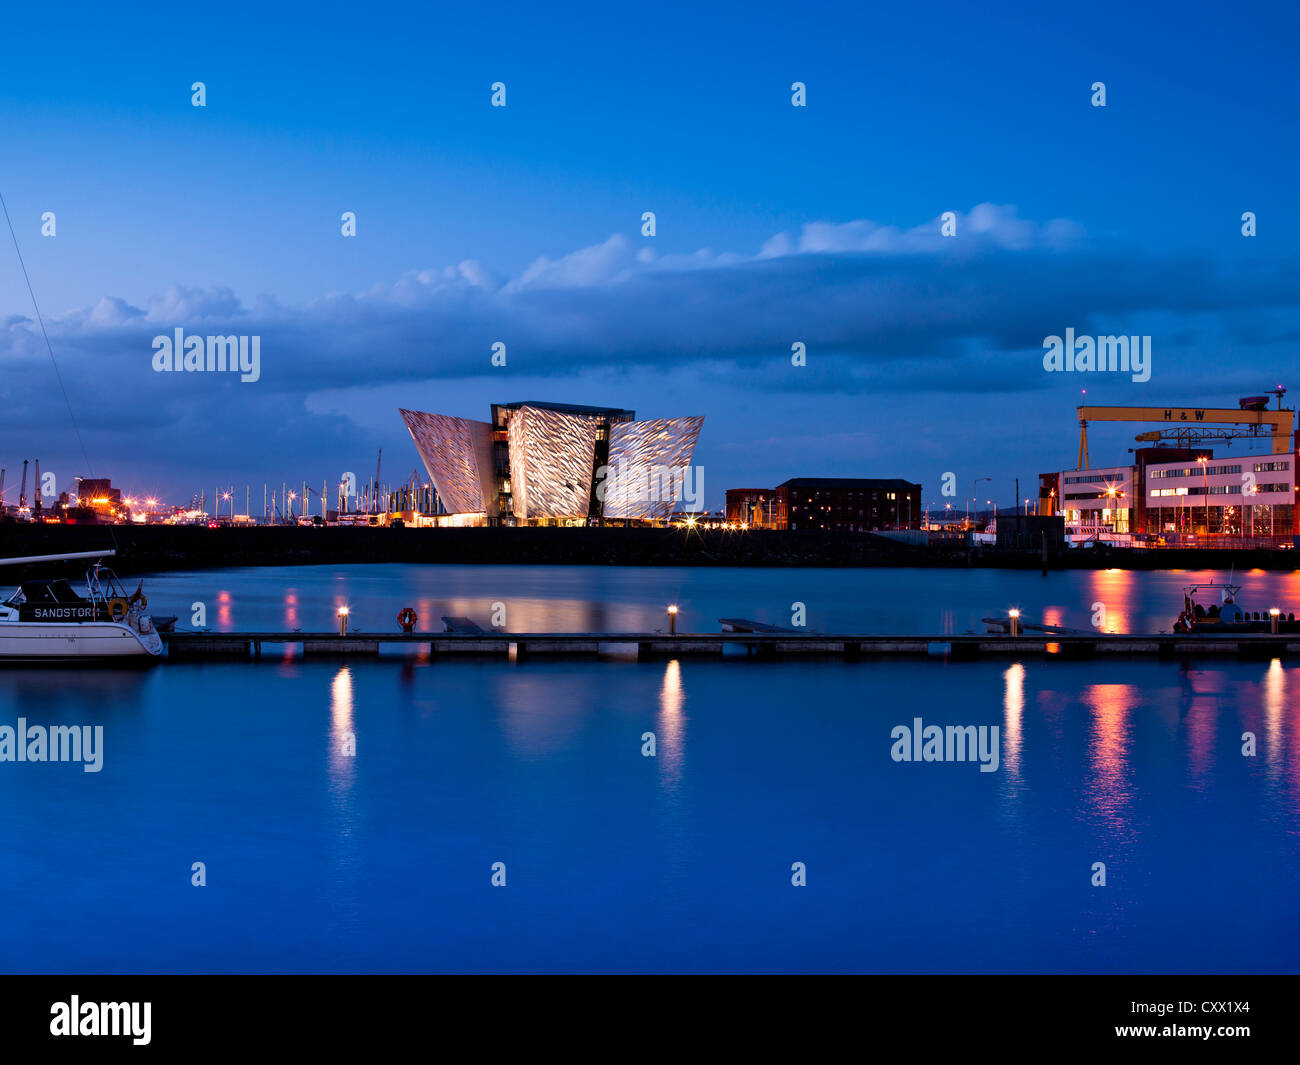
(642, 457)
(457, 452)
(551, 458)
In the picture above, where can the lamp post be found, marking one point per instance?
(1014, 614)
(975, 489)
(1205, 482)
(672, 619)
(1273, 614)
(343, 621)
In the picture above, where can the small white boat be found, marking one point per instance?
(48, 619)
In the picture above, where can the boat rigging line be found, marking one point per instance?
(50, 348)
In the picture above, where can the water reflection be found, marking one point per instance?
(1109, 784)
(1114, 590)
(32, 688)
(1013, 709)
(352, 859)
(342, 735)
(541, 712)
(1199, 704)
(342, 889)
(1274, 709)
(625, 599)
(1013, 712)
(670, 726)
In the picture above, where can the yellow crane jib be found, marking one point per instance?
(1276, 424)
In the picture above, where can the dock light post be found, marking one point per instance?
(1205, 482)
(975, 493)
(343, 621)
(672, 619)
(1273, 615)
(1015, 621)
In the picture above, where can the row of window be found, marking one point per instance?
(817, 496)
(1220, 490)
(1195, 471)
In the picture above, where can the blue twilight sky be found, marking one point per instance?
(522, 224)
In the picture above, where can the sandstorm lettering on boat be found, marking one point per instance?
(48, 619)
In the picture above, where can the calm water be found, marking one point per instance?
(625, 599)
(321, 861)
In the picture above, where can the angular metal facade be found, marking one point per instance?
(552, 454)
(647, 459)
(457, 452)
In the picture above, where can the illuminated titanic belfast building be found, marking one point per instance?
(554, 464)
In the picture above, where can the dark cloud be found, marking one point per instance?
(879, 310)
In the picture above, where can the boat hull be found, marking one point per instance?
(96, 640)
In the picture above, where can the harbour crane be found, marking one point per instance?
(319, 495)
(1252, 419)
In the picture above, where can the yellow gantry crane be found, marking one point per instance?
(1185, 424)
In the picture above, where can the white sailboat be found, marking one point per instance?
(49, 620)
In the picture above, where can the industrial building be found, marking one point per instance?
(843, 504)
(1178, 490)
(539, 463)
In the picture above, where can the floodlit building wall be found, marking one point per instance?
(552, 460)
(457, 452)
(648, 460)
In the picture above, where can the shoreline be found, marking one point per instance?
(164, 548)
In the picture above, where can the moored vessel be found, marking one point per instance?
(49, 620)
(1228, 616)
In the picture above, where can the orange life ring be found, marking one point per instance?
(118, 609)
(407, 619)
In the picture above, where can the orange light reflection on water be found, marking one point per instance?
(1013, 711)
(1115, 590)
(1274, 714)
